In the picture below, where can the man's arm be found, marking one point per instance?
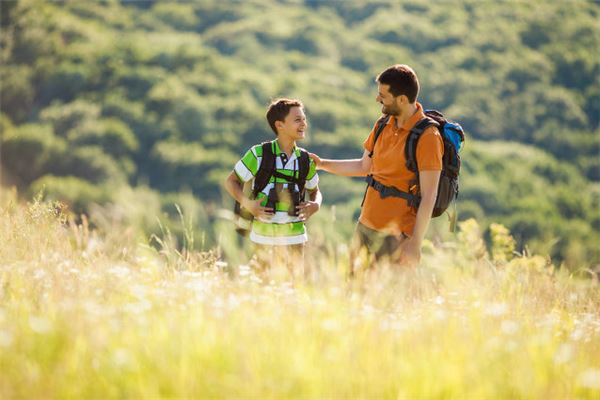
(355, 167)
(411, 248)
(235, 188)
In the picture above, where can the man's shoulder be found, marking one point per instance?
(431, 139)
(433, 130)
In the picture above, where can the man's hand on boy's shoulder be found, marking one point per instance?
(316, 159)
(256, 209)
(306, 209)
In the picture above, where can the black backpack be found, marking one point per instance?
(265, 171)
(453, 137)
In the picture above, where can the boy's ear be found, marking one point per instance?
(278, 124)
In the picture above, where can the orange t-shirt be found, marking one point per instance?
(392, 214)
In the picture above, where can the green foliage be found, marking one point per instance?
(6, 126)
(171, 94)
(181, 17)
(188, 165)
(65, 82)
(503, 244)
(65, 117)
(17, 91)
(78, 193)
(33, 32)
(533, 194)
(30, 151)
(90, 163)
(111, 134)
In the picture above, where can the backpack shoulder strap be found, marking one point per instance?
(410, 150)
(303, 168)
(381, 123)
(265, 169)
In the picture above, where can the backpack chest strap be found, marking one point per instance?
(287, 178)
(391, 191)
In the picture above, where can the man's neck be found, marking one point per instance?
(286, 144)
(407, 112)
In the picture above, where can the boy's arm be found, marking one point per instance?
(354, 167)
(307, 208)
(234, 187)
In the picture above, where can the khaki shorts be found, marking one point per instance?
(379, 246)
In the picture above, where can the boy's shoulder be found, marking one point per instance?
(257, 149)
(301, 150)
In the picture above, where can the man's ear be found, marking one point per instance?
(402, 99)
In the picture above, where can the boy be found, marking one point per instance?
(279, 210)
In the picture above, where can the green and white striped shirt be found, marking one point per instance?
(281, 228)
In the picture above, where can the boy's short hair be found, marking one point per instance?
(402, 80)
(279, 109)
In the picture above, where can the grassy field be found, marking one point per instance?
(98, 315)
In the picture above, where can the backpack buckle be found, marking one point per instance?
(383, 190)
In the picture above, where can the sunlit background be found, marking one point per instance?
(125, 278)
(134, 106)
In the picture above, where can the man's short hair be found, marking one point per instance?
(279, 109)
(402, 81)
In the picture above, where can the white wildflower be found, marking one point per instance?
(590, 378)
(119, 271)
(496, 309)
(244, 270)
(577, 335)
(563, 354)
(330, 325)
(509, 327)
(40, 324)
(6, 338)
(121, 358)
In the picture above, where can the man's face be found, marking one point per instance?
(294, 125)
(388, 101)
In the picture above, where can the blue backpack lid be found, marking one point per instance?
(452, 132)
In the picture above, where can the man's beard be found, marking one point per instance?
(391, 110)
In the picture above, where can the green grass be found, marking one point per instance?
(85, 314)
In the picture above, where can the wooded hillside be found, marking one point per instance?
(136, 105)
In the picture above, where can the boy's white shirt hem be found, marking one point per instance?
(278, 240)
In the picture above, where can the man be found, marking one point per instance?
(389, 227)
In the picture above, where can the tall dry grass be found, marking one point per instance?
(98, 315)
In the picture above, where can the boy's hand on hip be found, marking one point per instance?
(256, 209)
(306, 209)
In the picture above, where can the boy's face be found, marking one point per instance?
(294, 125)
